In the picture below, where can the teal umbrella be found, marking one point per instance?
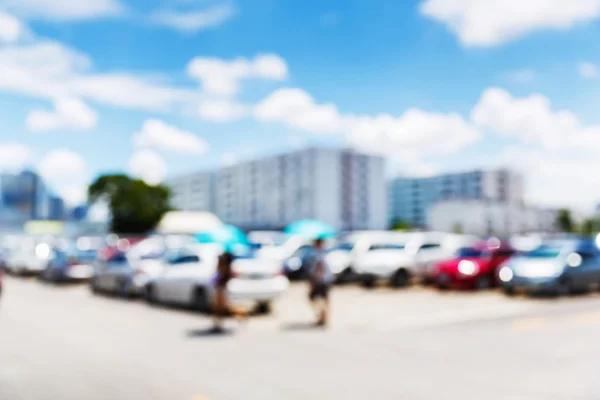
(311, 229)
(229, 236)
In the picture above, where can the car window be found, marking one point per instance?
(468, 252)
(303, 251)
(118, 258)
(183, 258)
(429, 246)
(387, 246)
(544, 252)
(343, 247)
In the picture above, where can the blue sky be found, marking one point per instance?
(162, 87)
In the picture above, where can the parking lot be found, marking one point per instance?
(64, 343)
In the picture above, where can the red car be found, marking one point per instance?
(475, 267)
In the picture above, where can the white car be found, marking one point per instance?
(29, 258)
(187, 280)
(406, 256)
(343, 254)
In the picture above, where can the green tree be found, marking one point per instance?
(399, 225)
(565, 221)
(135, 206)
(587, 228)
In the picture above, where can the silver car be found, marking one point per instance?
(560, 267)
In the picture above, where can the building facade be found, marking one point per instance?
(410, 198)
(195, 192)
(482, 217)
(340, 187)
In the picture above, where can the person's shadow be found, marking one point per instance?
(208, 332)
(302, 326)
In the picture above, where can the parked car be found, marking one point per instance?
(560, 267)
(342, 256)
(29, 257)
(475, 267)
(401, 257)
(70, 265)
(115, 272)
(187, 279)
(293, 254)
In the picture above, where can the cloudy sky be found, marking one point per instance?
(162, 87)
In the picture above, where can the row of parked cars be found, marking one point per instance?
(177, 269)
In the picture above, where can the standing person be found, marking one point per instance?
(221, 303)
(320, 282)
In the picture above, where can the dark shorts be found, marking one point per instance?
(319, 291)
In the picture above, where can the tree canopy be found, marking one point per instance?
(135, 206)
(564, 220)
(399, 225)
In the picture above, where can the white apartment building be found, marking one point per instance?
(340, 187)
(343, 188)
(410, 198)
(480, 217)
(193, 192)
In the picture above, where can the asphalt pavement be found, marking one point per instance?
(62, 342)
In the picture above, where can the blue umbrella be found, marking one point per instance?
(227, 235)
(311, 229)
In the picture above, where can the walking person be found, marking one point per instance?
(320, 282)
(221, 302)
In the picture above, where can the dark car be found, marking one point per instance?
(560, 267)
(70, 265)
(297, 266)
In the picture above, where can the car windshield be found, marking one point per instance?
(343, 247)
(387, 246)
(468, 252)
(543, 252)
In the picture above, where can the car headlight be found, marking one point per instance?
(505, 274)
(467, 267)
(574, 260)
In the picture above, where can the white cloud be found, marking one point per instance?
(65, 171)
(588, 70)
(533, 121)
(14, 156)
(222, 78)
(157, 134)
(62, 165)
(74, 195)
(522, 76)
(487, 23)
(129, 91)
(50, 70)
(11, 28)
(68, 113)
(193, 21)
(222, 111)
(298, 110)
(147, 165)
(415, 133)
(61, 10)
(41, 70)
(556, 178)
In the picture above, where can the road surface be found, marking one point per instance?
(64, 343)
